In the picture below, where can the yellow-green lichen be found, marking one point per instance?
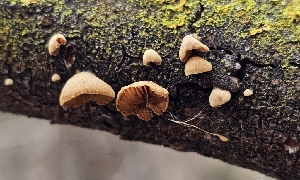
(31, 2)
(150, 17)
(269, 23)
(21, 26)
(168, 13)
(279, 28)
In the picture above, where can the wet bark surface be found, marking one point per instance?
(263, 129)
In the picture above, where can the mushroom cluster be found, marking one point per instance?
(195, 64)
(141, 98)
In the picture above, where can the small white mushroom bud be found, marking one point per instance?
(8, 82)
(218, 97)
(55, 77)
(248, 92)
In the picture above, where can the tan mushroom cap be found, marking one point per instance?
(55, 77)
(190, 42)
(8, 82)
(141, 98)
(83, 87)
(151, 55)
(218, 97)
(248, 92)
(54, 43)
(196, 65)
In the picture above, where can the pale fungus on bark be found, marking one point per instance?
(83, 87)
(189, 43)
(151, 55)
(248, 92)
(55, 77)
(8, 82)
(55, 42)
(218, 97)
(141, 98)
(196, 65)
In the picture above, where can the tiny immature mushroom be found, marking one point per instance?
(55, 42)
(190, 42)
(55, 77)
(218, 97)
(151, 55)
(8, 82)
(248, 92)
(83, 87)
(196, 65)
(141, 98)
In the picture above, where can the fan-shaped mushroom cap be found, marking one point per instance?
(190, 42)
(141, 98)
(196, 65)
(151, 56)
(218, 97)
(54, 43)
(83, 87)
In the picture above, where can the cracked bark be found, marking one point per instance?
(263, 129)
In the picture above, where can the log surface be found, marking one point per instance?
(110, 38)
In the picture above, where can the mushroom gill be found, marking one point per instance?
(141, 98)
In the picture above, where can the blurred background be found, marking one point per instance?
(32, 149)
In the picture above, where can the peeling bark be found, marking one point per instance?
(263, 129)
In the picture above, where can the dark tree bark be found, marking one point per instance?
(110, 37)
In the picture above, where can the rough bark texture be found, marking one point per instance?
(110, 38)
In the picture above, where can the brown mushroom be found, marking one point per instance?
(218, 97)
(190, 42)
(141, 98)
(151, 56)
(55, 42)
(196, 65)
(83, 87)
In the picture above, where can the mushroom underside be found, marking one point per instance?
(145, 114)
(141, 101)
(82, 99)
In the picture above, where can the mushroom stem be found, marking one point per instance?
(222, 138)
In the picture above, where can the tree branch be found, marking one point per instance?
(109, 39)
